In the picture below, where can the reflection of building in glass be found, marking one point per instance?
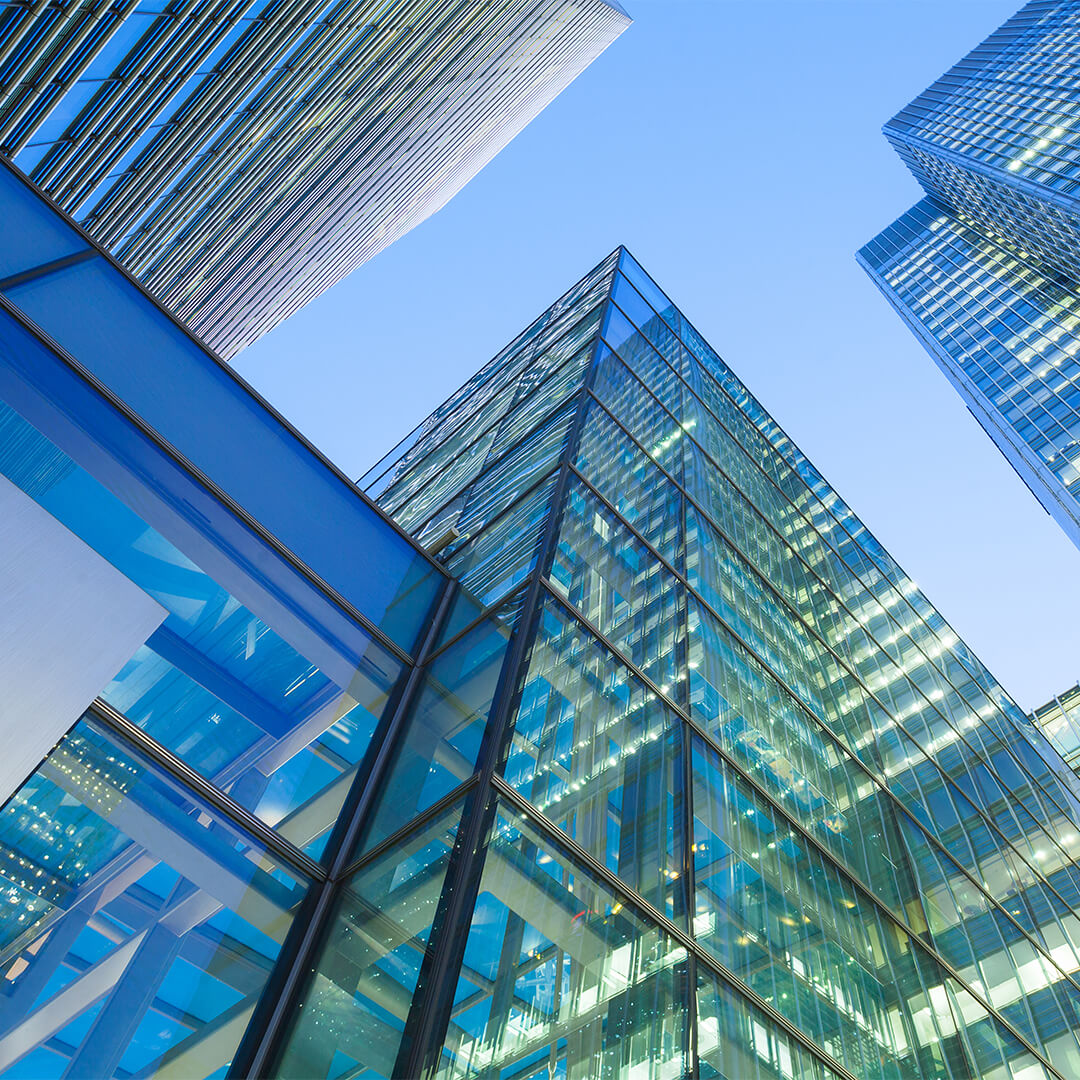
(1059, 721)
(241, 156)
(661, 768)
(985, 269)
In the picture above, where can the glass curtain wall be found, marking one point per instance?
(743, 805)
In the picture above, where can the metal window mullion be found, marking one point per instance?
(488, 611)
(255, 49)
(264, 1037)
(137, 108)
(19, 36)
(76, 37)
(242, 818)
(689, 869)
(57, 162)
(559, 838)
(297, 96)
(841, 869)
(429, 1014)
(38, 57)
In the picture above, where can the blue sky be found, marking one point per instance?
(734, 146)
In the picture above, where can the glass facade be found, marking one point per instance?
(157, 865)
(805, 830)
(239, 156)
(985, 269)
(642, 759)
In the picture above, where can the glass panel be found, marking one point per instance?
(104, 322)
(639, 411)
(785, 920)
(635, 486)
(641, 357)
(631, 269)
(33, 234)
(755, 720)
(621, 588)
(738, 1041)
(353, 1014)
(500, 557)
(215, 684)
(438, 747)
(139, 927)
(601, 756)
(560, 977)
(649, 323)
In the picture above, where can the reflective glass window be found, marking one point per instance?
(632, 483)
(104, 321)
(438, 747)
(561, 977)
(216, 684)
(738, 1041)
(600, 755)
(32, 233)
(613, 579)
(352, 1016)
(139, 927)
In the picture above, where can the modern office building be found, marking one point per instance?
(241, 156)
(985, 269)
(1059, 721)
(661, 768)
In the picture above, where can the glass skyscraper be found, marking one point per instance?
(241, 156)
(985, 269)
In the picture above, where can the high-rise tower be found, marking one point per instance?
(659, 768)
(985, 269)
(847, 850)
(241, 156)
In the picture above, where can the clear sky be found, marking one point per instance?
(734, 146)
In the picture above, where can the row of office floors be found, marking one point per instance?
(665, 769)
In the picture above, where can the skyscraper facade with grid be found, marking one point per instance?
(985, 269)
(640, 759)
(745, 806)
(241, 156)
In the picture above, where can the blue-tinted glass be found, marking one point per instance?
(500, 557)
(438, 747)
(351, 1019)
(30, 233)
(738, 1041)
(140, 927)
(104, 321)
(632, 483)
(215, 684)
(600, 755)
(562, 977)
(621, 588)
